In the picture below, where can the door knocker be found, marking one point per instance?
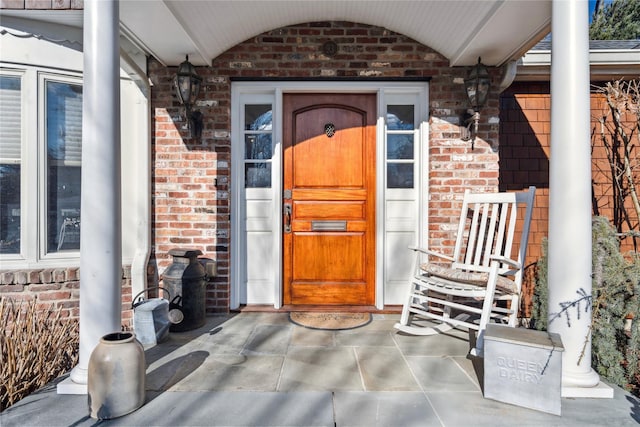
(330, 129)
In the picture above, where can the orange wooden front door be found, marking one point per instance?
(329, 199)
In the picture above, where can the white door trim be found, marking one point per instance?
(240, 91)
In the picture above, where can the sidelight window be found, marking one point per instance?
(400, 146)
(258, 145)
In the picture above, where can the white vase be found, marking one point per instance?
(116, 376)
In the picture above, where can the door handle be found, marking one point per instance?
(287, 217)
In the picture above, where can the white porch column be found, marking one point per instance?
(570, 194)
(101, 236)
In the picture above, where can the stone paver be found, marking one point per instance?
(234, 409)
(440, 373)
(233, 373)
(407, 409)
(268, 339)
(368, 338)
(384, 369)
(305, 337)
(327, 369)
(258, 369)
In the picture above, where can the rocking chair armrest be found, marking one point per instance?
(504, 260)
(431, 253)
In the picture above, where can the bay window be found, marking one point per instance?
(40, 159)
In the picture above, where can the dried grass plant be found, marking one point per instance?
(36, 345)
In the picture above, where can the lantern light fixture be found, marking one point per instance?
(477, 85)
(187, 84)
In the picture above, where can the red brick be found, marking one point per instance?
(51, 296)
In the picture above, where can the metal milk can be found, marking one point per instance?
(185, 280)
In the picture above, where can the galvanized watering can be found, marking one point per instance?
(153, 317)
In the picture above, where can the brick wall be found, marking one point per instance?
(191, 177)
(58, 288)
(190, 210)
(42, 4)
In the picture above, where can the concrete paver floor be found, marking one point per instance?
(258, 369)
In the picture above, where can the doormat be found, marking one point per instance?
(329, 321)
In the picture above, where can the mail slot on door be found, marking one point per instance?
(328, 225)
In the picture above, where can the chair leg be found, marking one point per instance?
(478, 350)
(485, 317)
(406, 316)
(447, 309)
(514, 307)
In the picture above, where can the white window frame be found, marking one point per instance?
(387, 93)
(33, 188)
(404, 219)
(45, 77)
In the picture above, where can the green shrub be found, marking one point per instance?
(615, 302)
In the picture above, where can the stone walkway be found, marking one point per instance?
(258, 369)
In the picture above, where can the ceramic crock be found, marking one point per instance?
(116, 376)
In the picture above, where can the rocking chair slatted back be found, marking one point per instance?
(486, 267)
(487, 228)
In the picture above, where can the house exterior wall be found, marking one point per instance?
(525, 131)
(42, 4)
(54, 281)
(57, 289)
(525, 136)
(191, 178)
(191, 191)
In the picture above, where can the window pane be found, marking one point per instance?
(257, 117)
(9, 209)
(399, 146)
(400, 175)
(258, 146)
(64, 122)
(400, 117)
(63, 216)
(257, 175)
(64, 140)
(10, 158)
(10, 119)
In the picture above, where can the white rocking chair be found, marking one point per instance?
(484, 269)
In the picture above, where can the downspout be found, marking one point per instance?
(509, 71)
(143, 178)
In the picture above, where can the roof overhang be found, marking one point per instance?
(607, 64)
(496, 30)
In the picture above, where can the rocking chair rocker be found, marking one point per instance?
(481, 272)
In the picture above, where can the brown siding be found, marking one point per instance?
(525, 139)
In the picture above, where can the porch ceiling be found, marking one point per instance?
(497, 30)
(461, 30)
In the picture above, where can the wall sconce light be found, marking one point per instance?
(477, 87)
(187, 84)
